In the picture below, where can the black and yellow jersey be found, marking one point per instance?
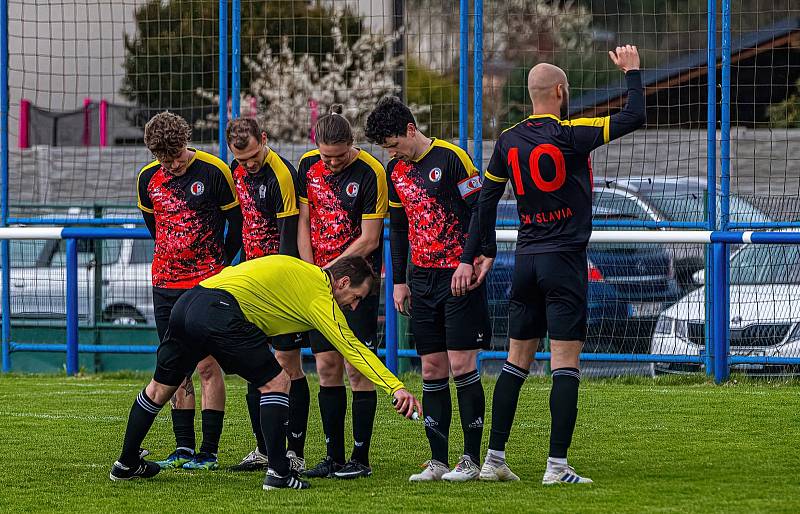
(189, 218)
(436, 193)
(284, 295)
(338, 202)
(265, 197)
(547, 161)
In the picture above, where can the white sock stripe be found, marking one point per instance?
(435, 387)
(567, 373)
(514, 371)
(145, 403)
(469, 380)
(271, 401)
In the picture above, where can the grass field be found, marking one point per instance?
(666, 445)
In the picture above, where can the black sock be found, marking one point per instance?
(253, 398)
(274, 414)
(504, 404)
(143, 413)
(472, 408)
(438, 407)
(563, 410)
(212, 429)
(299, 402)
(365, 403)
(183, 426)
(333, 409)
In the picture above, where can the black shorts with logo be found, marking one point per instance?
(441, 321)
(289, 342)
(210, 322)
(163, 301)
(549, 296)
(363, 322)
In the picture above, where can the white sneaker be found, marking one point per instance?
(296, 463)
(253, 461)
(464, 471)
(433, 471)
(565, 475)
(492, 472)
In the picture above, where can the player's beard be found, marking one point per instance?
(565, 106)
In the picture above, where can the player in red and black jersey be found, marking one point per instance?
(546, 158)
(433, 193)
(186, 197)
(266, 184)
(343, 202)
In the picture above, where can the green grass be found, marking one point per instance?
(666, 445)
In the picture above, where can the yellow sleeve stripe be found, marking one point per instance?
(382, 202)
(376, 216)
(603, 122)
(303, 200)
(495, 178)
(395, 204)
(145, 209)
(226, 172)
(310, 153)
(139, 178)
(462, 156)
(286, 214)
(286, 184)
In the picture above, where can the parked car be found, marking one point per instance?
(764, 311)
(670, 199)
(629, 285)
(38, 280)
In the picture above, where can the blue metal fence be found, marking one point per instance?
(716, 359)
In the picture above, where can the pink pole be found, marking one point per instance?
(103, 122)
(87, 134)
(24, 120)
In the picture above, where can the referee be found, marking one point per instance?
(266, 184)
(546, 158)
(231, 317)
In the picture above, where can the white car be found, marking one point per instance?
(764, 311)
(123, 294)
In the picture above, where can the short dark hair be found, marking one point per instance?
(166, 135)
(390, 118)
(333, 128)
(239, 131)
(359, 271)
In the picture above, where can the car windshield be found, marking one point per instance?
(766, 264)
(690, 206)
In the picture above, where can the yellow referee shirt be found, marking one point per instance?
(283, 295)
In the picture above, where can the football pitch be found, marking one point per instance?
(667, 445)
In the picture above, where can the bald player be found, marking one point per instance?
(546, 158)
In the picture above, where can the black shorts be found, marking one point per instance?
(363, 322)
(209, 322)
(548, 296)
(163, 300)
(441, 321)
(289, 342)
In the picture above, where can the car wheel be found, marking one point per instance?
(123, 316)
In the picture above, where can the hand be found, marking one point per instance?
(462, 279)
(626, 58)
(482, 266)
(402, 297)
(405, 403)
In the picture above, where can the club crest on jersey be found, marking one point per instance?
(262, 191)
(352, 189)
(197, 188)
(435, 175)
(469, 185)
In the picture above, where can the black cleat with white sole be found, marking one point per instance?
(353, 469)
(291, 481)
(145, 469)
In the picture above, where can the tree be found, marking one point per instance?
(175, 48)
(786, 114)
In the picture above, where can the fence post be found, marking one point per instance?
(390, 318)
(463, 76)
(477, 114)
(236, 57)
(4, 245)
(72, 306)
(223, 79)
(721, 262)
(711, 176)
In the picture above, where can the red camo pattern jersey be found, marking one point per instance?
(431, 190)
(337, 202)
(265, 197)
(190, 222)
